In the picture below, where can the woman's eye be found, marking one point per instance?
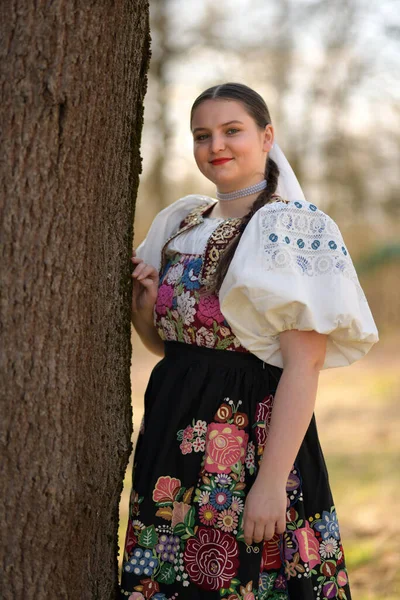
(232, 130)
(201, 137)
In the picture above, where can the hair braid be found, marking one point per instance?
(271, 175)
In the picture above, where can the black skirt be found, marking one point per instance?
(206, 420)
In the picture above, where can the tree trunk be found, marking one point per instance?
(73, 78)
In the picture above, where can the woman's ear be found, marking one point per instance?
(269, 136)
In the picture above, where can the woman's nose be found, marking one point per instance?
(217, 143)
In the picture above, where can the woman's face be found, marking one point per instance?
(229, 148)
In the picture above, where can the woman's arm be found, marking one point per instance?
(148, 334)
(144, 295)
(303, 355)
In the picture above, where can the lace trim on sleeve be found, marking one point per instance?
(300, 237)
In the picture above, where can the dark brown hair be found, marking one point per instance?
(258, 110)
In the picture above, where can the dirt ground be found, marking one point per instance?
(358, 420)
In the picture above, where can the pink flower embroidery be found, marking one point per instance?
(342, 578)
(164, 299)
(166, 489)
(211, 558)
(209, 310)
(186, 447)
(227, 520)
(225, 446)
(308, 545)
(179, 513)
(188, 433)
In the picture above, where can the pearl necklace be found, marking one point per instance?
(248, 191)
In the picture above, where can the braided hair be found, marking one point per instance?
(258, 110)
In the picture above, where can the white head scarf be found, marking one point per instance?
(288, 186)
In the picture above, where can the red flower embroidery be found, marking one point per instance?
(150, 587)
(223, 413)
(240, 420)
(131, 539)
(166, 489)
(211, 559)
(225, 446)
(271, 558)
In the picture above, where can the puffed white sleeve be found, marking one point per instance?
(164, 225)
(291, 270)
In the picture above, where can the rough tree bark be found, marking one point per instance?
(73, 78)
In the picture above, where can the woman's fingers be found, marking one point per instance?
(147, 283)
(256, 532)
(269, 531)
(258, 535)
(147, 272)
(140, 267)
(136, 260)
(281, 525)
(248, 531)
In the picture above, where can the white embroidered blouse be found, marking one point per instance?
(291, 270)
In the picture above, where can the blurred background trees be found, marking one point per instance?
(327, 70)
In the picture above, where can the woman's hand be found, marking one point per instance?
(145, 286)
(264, 512)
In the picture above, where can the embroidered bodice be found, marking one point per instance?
(190, 257)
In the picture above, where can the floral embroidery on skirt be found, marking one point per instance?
(193, 469)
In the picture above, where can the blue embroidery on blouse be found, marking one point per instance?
(300, 243)
(273, 237)
(298, 204)
(315, 245)
(303, 263)
(190, 277)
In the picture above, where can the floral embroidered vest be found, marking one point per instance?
(180, 313)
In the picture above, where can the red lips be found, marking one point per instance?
(220, 161)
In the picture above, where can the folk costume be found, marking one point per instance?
(209, 401)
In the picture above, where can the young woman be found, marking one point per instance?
(246, 297)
